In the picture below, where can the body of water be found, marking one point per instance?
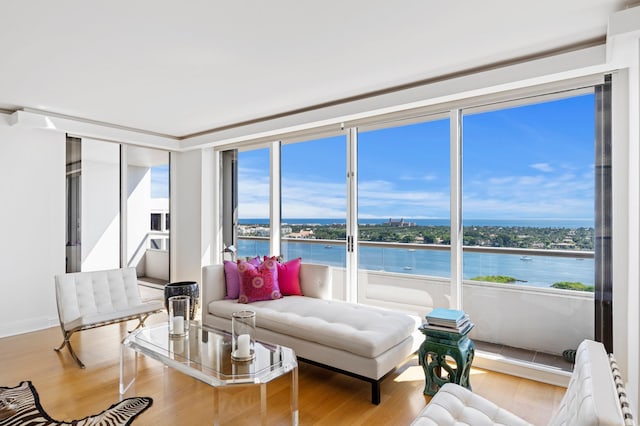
(539, 271)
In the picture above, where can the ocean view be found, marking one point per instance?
(538, 271)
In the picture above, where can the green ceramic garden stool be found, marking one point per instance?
(433, 353)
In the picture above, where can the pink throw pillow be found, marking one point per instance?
(232, 279)
(289, 277)
(258, 283)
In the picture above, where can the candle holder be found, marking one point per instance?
(243, 334)
(179, 316)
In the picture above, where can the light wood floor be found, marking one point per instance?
(326, 398)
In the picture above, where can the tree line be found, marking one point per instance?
(484, 236)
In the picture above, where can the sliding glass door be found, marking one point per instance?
(314, 204)
(147, 207)
(93, 205)
(117, 202)
(253, 228)
(377, 201)
(528, 215)
(403, 214)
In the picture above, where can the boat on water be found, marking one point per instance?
(328, 246)
(526, 258)
(407, 268)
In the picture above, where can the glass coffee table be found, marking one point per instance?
(206, 355)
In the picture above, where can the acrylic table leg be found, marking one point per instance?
(216, 407)
(128, 369)
(263, 404)
(294, 396)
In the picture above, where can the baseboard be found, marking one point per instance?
(27, 326)
(527, 370)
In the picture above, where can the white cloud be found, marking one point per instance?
(530, 180)
(501, 180)
(428, 177)
(543, 195)
(543, 167)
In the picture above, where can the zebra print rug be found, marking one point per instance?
(21, 406)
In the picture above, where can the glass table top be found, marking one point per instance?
(206, 355)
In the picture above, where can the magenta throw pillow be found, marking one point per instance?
(289, 277)
(232, 279)
(258, 283)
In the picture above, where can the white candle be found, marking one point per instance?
(243, 345)
(178, 325)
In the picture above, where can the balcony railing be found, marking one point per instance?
(527, 315)
(151, 256)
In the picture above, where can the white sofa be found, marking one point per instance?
(92, 299)
(358, 340)
(595, 396)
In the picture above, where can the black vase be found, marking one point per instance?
(183, 288)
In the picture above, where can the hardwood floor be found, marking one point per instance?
(326, 398)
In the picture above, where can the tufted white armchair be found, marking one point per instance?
(595, 396)
(92, 299)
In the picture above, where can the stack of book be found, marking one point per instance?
(451, 320)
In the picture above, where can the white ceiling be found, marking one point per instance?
(183, 67)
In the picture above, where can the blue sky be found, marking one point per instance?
(528, 162)
(160, 181)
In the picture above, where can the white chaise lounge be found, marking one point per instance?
(358, 340)
(92, 299)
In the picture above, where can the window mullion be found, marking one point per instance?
(455, 120)
(275, 203)
(352, 216)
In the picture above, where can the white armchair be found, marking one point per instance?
(92, 299)
(595, 396)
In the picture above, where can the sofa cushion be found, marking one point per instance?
(232, 279)
(363, 330)
(289, 277)
(316, 280)
(258, 283)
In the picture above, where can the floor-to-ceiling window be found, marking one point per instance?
(314, 203)
(73, 205)
(528, 216)
(403, 213)
(93, 205)
(147, 207)
(117, 208)
(520, 178)
(253, 198)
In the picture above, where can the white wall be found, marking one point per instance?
(138, 208)
(623, 54)
(186, 229)
(32, 190)
(100, 219)
(156, 265)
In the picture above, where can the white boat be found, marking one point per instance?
(526, 258)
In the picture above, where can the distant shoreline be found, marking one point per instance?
(533, 223)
